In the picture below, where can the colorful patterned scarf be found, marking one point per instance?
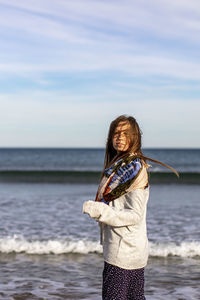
(125, 175)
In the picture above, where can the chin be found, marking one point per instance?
(121, 150)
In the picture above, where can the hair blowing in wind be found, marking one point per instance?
(135, 144)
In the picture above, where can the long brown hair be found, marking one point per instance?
(111, 154)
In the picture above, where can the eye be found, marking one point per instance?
(127, 133)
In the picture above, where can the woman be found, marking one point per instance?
(120, 209)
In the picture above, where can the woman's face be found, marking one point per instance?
(121, 137)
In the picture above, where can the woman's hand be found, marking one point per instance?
(87, 207)
(93, 209)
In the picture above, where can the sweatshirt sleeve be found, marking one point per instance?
(130, 215)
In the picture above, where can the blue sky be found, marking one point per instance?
(68, 68)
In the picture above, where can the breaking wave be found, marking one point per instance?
(61, 176)
(18, 244)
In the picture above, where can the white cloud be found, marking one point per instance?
(149, 51)
(160, 17)
(132, 65)
(95, 36)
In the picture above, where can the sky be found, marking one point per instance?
(68, 68)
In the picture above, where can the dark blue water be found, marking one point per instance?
(184, 160)
(84, 165)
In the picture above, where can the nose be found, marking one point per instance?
(119, 135)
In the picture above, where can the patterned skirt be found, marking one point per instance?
(122, 284)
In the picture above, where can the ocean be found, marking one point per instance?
(49, 250)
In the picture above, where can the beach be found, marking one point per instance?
(50, 250)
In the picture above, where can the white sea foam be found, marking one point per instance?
(184, 249)
(19, 244)
(61, 246)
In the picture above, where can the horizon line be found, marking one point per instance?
(94, 148)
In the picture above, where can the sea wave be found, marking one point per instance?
(184, 249)
(18, 244)
(88, 176)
